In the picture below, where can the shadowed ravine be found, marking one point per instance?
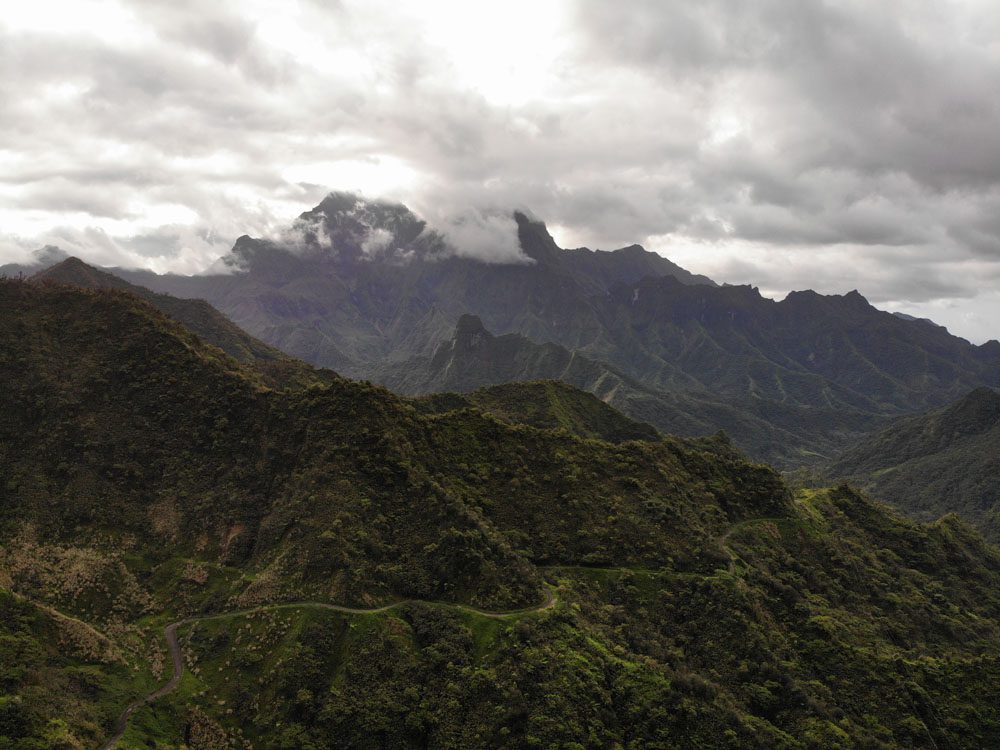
(170, 634)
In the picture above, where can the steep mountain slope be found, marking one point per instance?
(146, 476)
(807, 349)
(197, 316)
(473, 358)
(941, 462)
(58, 675)
(361, 286)
(926, 321)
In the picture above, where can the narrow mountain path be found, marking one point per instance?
(170, 634)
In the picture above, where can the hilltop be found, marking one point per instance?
(547, 404)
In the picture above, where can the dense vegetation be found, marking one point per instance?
(945, 461)
(200, 318)
(60, 679)
(148, 476)
(548, 404)
(791, 646)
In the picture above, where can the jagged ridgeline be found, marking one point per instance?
(370, 290)
(148, 476)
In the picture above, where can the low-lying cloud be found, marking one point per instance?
(491, 238)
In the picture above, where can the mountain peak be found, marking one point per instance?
(74, 271)
(979, 409)
(534, 237)
(70, 263)
(354, 226)
(343, 209)
(469, 331)
(338, 201)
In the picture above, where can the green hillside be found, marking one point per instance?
(945, 461)
(197, 316)
(60, 679)
(511, 586)
(547, 404)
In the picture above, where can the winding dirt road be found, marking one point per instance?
(170, 634)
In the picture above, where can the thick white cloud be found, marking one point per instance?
(830, 145)
(491, 238)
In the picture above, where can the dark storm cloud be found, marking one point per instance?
(834, 145)
(868, 88)
(887, 86)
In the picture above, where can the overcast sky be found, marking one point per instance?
(787, 143)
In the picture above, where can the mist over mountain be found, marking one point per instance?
(362, 286)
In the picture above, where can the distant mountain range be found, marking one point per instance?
(367, 289)
(945, 461)
(323, 298)
(474, 358)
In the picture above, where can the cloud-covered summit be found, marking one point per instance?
(351, 226)
(808, 144)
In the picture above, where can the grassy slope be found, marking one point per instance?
(547, 404)
(61, 680)
(146, 476)
(945, 461)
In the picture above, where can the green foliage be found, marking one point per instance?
(546, 404)
(145, 477)
(840, 626)
(58, 688)
(941, 462)
(199, 317)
